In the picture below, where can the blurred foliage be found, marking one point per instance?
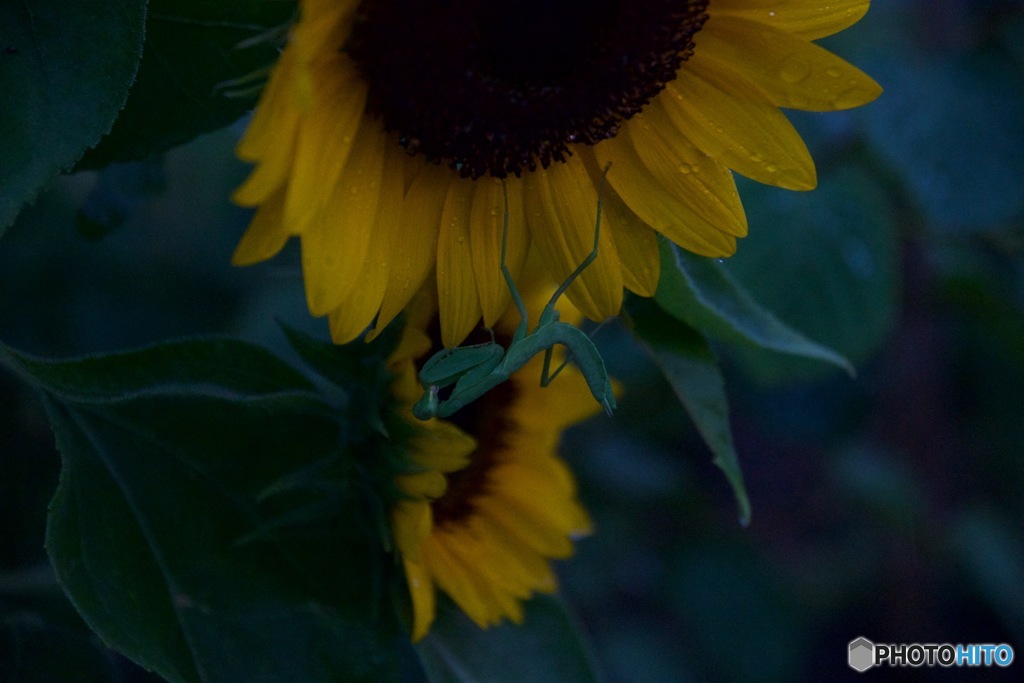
(212, 55)
(886, 505)
(49, 56)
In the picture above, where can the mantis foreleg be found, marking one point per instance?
(445, 367)
(463, 367)
(470, 387)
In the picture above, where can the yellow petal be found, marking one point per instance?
(271, 172)
(358, 310)
(487, 222)
(703, 184)
(458, 302)
(656, 205)
(507, 518)
(335, 244)
(635, 242)
(492, 582)
(792, 71)
(443, 447)
(735, 122)
(421, 590)
(266, 234)
(562, 403)
(351, 318)
(324, 141)
(412, 522)
(413, 344)
(486, 559)
(323, 27)
(426, 485)
(536, 524)
(456, 580)
(638, 250)
(534, 570)
(547, 477)
(413, 252)
(562, 207)
(274, 113)
(809, 19)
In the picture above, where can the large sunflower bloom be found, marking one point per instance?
(489, 502)
(385, 126)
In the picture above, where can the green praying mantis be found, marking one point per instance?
(474, 370)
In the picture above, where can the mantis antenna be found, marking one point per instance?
(473, 370)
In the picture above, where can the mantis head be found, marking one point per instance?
(428, 406)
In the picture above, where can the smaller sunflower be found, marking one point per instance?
(492, 502)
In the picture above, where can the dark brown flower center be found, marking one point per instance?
(498, 86)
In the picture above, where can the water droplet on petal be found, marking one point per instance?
(794, 71)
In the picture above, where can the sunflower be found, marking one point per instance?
(488, 502)
(383, 132)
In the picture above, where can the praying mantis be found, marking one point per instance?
(474, 370)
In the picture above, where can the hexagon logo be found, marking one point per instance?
(862, 654)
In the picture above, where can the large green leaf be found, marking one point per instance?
(546, 647)
(701, 292)
(691, 369)
(825, 262)
(65, 70)
(203, 63)
(222, 366)
(151, 528)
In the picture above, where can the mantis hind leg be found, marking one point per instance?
(546, 375)
(550, 314)
(549, 309)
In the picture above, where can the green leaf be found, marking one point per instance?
(826, 263)
(65, 70)
(224, 366)
(202, 68)
(160, 486)
(701, 293)
(546, 647)
(686, 361)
